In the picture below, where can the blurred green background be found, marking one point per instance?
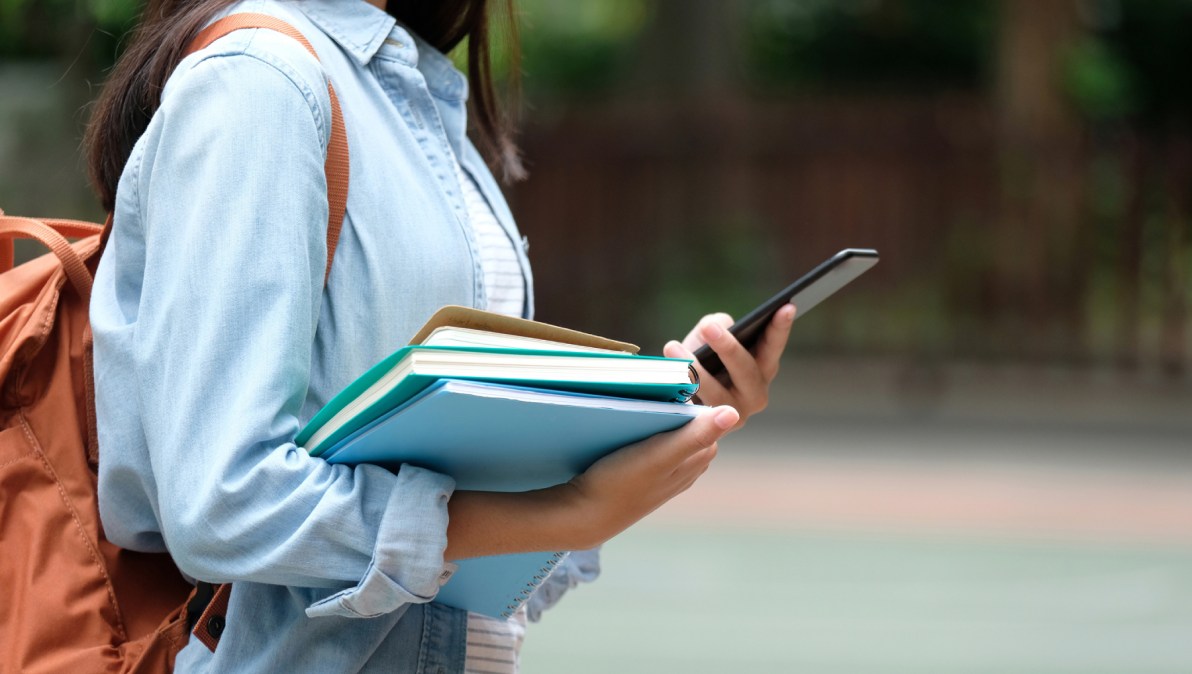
(979, 456)
(1024, 167)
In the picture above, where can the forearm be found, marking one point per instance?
(485, 523)
(608, 497)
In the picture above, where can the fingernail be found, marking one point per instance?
(713, 332)
(726, 418)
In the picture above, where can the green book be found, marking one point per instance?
(538, 363)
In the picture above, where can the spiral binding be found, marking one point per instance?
(686, 394)
(524, 595)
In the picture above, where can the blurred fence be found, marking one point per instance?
(644, 215)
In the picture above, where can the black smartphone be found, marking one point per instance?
(814, 287)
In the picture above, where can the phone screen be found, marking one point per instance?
(812, 288)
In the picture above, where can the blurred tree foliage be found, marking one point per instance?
(1150, 45)
(64, 28)
(578, 48)
(1122, 70)
(1131, 60)
(1098, 80)
(850, 44)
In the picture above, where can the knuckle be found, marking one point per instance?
(704, 439)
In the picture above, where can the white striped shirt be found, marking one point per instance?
(498, 259)
(494, 644)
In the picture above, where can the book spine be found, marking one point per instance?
(527, 590)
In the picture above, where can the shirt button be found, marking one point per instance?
(215, 626)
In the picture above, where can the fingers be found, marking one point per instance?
(713, 425)
(709, 387)
(673, 349)
(695, 338)
(695, 465)
(773, 342)
(700, 433)
(749, 384)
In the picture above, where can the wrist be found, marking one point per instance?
(576, 521)
(561, 517)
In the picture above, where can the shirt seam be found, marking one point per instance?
(136, 183)
(290, 73)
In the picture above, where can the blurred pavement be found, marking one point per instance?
(879, 519)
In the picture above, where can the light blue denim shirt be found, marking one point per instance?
(216, 340)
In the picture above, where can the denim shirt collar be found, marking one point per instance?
(364, 31)
(356, 26)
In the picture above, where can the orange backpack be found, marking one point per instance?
(72, 601)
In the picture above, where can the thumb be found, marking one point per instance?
(707, 428)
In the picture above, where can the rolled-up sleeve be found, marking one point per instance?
(232, 197)
(407, 564)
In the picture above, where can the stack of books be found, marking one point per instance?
(501, 404)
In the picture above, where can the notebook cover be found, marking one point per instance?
(487, 441)
(414, 383)
(466, 317)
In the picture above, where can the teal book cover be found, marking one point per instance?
(496, 437)
(412, 384)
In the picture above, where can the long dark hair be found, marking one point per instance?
(133, 91)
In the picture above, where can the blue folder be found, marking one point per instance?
(496, 437)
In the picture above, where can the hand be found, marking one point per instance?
(751, 372)
(625, 486)
(594, 506)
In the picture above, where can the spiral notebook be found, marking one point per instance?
(412, 368)
(497, 437)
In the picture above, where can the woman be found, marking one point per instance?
(216, 338)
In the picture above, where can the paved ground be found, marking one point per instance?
(880, 520)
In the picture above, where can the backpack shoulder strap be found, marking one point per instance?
(207, 605)
(336, 164)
